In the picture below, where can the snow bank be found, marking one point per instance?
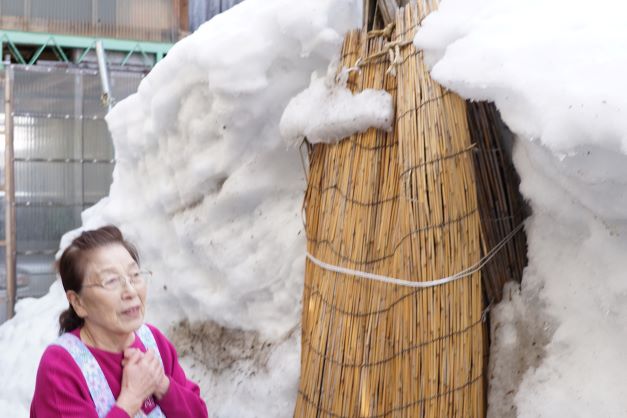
(554, 70)
(211, 195)
(328, 111)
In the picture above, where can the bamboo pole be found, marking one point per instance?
(388, 9)
(379, 11)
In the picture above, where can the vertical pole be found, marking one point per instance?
(95, 27)
(107, 99)
(27, 10)
(184, 17)
(388, 9)
(369, 10)
(79, 141)
(9, 197)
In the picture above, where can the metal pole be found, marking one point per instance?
(9, 196)
(95, 27)
(79, 138)
(107, 99)
(94, 17)
(27, 10)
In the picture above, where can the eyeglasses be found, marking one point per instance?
(113, 282)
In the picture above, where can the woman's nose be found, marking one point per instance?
(127, 287)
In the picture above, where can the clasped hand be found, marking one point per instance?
(142, 377)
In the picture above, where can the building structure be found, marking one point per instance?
(201, 11)
(57, 155)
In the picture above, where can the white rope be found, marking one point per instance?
(419, 284)
(395, 60)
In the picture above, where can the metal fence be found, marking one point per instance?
(63, 160)
(145, 20)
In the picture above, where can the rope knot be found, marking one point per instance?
(395, 59)
(385, 32)
(393, 52)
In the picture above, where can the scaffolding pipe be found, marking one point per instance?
(107, 99)
(9, 197)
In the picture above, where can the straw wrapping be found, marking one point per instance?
(400, 205)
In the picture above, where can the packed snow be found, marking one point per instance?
(555, 69)
(211, 194)
(328, 111)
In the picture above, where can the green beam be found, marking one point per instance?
(14, 38)
(138, 49)
(13, 49)
(60, 52)
(85, 52)
(57, 50)
(37, 54)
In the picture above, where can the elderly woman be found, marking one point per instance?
(107, 362)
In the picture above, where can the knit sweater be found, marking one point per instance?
(61, 390)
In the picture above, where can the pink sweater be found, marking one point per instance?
(61, 390)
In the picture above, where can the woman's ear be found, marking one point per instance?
(77, 303)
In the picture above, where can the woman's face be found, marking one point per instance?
(119, 311)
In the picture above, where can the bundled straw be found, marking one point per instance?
(500, 204)
(404, 205)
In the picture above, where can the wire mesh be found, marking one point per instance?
(63, 160)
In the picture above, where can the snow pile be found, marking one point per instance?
(561, 82)
(211, 195)
(554, 69)
(328, 111)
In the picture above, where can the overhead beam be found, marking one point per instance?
(14, 38)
